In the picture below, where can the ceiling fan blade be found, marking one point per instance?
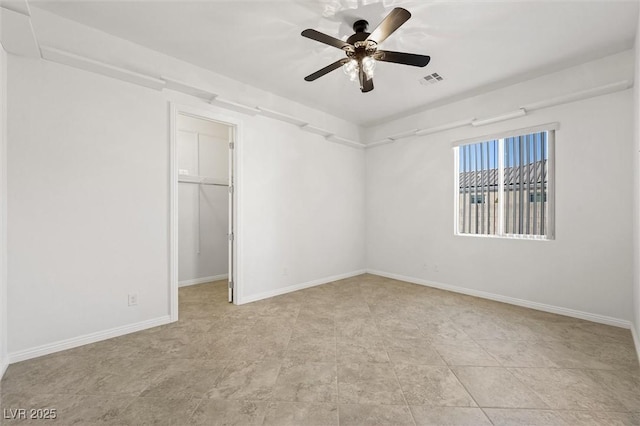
(326, 39)
(389, 24)
(402, 58)
(326, 70)
(367, 86)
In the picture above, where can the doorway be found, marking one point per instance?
(202, 205)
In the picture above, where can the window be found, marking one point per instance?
(505, 185)
(477, 199)
(537, 197)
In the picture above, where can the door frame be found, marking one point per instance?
(236, 125)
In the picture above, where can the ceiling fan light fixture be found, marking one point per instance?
(368, 66)
(351, 69)
(361, 49)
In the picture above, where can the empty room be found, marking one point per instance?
(319, 212)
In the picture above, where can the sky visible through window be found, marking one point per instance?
(484, 155)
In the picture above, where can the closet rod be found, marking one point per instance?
(203, 183)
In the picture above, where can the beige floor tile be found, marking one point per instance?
(622, 385)
(568, 389)
(497, 387)
(517, 417)
(518, 353)
(361, 351)
(465, 352)
(368, 383)
(64, 409)
(40, 375)
(357, 328)
(450, 416)
(306, 382)
(246, 380)
(225, 412)
(412, 351)
(618, 355)
(382, 341)
(185, 379)
(308, 326)
(440, 330)
(311, 349)
(297, 413)
(124, 376)
(597, 418)
(159, 411)
(566, 355)
(369, 415)
(392, 327)
(432, 385)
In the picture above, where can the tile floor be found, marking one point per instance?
(366, 350)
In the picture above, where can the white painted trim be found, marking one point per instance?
(3, 367)
(18, 35)
(189, 89)
(402, 135)
(384, 141)
(207, 114)
(580, 95)
(636, 340)
(234, 106)
(605, 89)
(169, 83)
(521, 112)
(344, 141)
(442, 128)
(84, 63)
(19, 6)
(602, 319)
(547, 127)
(4, 317)
(296, 287)
(185, 283)
(86, 339)
(316, 130)
(282, 117)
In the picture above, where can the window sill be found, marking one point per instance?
(508, 237)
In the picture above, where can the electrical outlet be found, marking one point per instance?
(435, 268)
(133, 299)
(285, 272)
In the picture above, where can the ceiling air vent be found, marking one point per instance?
(431, 79)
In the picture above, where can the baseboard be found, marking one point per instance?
(636, 341)
(3, 367)
(86, 339)
(602, 319)
(296, 287)
(203, 280)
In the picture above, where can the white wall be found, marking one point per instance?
(636, 193)
(588, 267)
(303, 208)
(3, 213)
(203, 210)
(88, 201)
(88, 205)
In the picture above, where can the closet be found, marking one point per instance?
(203, 200)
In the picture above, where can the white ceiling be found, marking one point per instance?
(474, 45)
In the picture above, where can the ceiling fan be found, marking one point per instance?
(362, 49)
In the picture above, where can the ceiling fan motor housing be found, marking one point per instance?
(363, 47)
(362, 52)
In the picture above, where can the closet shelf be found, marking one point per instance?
(203, 180)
